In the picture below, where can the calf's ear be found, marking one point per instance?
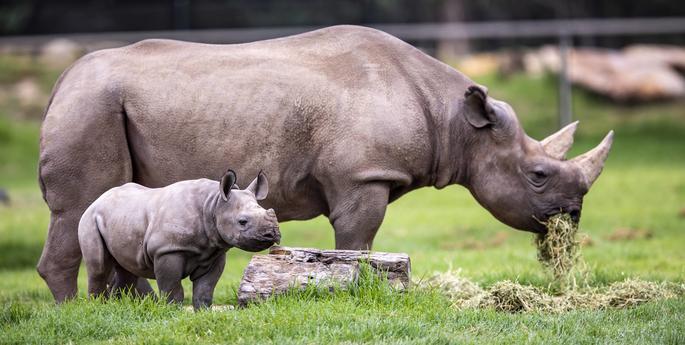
(478, 110)
(227, 182)
(259, 186)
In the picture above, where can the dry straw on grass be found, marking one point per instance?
(507, 296)
(559, 253)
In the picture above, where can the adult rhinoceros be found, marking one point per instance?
(343, 120)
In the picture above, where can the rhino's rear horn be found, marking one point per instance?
(592, 162)
(557, 144)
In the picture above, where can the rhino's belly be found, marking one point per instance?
(167, 148)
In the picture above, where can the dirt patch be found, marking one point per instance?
(586, 241)
(474, 244)
(628, 234)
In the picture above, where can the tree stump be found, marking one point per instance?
(286, 268)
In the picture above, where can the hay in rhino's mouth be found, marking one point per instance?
(559, 248)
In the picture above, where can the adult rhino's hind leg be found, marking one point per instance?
(357, 213)
(83, 153)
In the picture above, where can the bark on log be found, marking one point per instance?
(285, 268)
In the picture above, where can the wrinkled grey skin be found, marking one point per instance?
(344, 120)
(167, 234)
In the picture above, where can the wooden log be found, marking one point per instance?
(286, 268)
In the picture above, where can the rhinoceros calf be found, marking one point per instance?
(174, 232)
(344, 120)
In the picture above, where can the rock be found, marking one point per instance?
(639, 73)
(285, 268)
(60, 53)
(28, 93)
(623, 78)
(4, 197)
(669, 55)
(477, 65)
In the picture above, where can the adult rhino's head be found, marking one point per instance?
(240, 220)
(522, 181)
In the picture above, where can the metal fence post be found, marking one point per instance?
(565, 110)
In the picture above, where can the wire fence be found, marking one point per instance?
(561, 30)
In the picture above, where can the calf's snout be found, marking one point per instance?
(273, 235)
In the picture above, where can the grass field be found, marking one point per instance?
(642, 187)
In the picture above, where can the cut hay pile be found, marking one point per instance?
(512, 297)
(559, 253)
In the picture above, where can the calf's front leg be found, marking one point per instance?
(204, 285)
(169, 273)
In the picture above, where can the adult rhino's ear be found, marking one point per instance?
(477, 107)
(227, 182)
(259, 186)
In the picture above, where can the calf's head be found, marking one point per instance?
(240, 220)
(522, 181)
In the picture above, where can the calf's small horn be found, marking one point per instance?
(557, 144)
(592, 162)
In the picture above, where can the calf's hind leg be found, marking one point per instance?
(99, 262)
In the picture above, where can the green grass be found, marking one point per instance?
(643, 186)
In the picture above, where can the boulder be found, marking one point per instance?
(60, 53)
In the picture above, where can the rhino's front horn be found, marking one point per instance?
(557, 144)
(592, 162)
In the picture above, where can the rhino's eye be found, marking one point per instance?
(538, 177)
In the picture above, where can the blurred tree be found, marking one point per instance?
(452, 11)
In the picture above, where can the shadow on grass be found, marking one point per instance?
(19, 255)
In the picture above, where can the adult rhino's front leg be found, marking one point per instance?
(356, 214)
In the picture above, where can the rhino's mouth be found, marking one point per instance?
(540, 221)
(258, 240)
(573, 211)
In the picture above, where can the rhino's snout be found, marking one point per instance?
(272, 235)
(573, 212)
(260, 231)
(260, 238)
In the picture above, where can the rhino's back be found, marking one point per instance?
(333, 46)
